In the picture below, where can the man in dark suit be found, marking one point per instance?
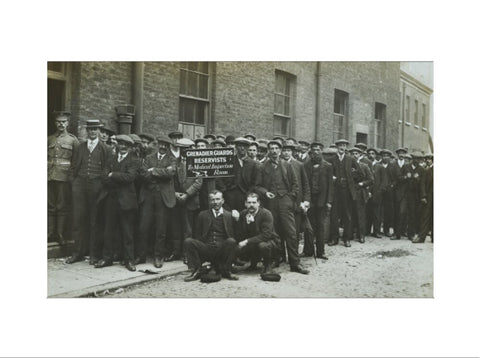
(374, 206)
(363, 179)
(120, 203)
(320, 176)
(426, 224)
(398, 175)
(235, 188)
(387, 215)
(187, 195)
(157, 198)
(416, 195)
(255, 233)
(213, 240)
(302, 203)
(277, 186)
(89, 165)
(344, 167)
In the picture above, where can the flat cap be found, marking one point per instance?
(250, 135)
(136, 138)
(330, 150)
(292, 139)
(278, 138)
(147, 136)
(304, 142)
(93, 123)
(262, 140)
(355, 149)
(185, 142)
(219, 141)
(107, 130)
(275, 141)
(124, 138)
(229, 139)
(374, 150)
(164, 139)
(242, 140)
(342, 141)
(271, 276)
(221, 136)
(362, 146)
(408, 156)
(386, 151)
(210, 135)
(290, 146)
(316, 144)
(401, 150)
(175, 134)
(429, 155)
(417, 154)
(198, 140)
(262, 145)
(58, 114)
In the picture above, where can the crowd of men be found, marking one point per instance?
(128, 197)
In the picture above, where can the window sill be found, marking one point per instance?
(408, 124)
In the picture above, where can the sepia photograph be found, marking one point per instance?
(232, 179)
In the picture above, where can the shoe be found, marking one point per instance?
(194, 276)
(332, 243)
(418, 240)
(130, 266)
(347, 243)
(73, 259)
(299, 269)
(158, 262)
(396, 237)
(303, 254)
(229, 276)
(92, 261)
(362, 240)
(323, 257)
(173, 257)
(388, 234)
(103, 263)
(378, 236)
(139, 260)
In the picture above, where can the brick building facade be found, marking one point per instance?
(361, 101)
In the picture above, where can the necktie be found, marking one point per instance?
(90, 146)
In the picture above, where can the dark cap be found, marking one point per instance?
(210, 135)
(136, 138)
(373, 149)
(342, 141)
(221, 136)
(316, 143)
(147, 136)
(250, 135)
(386, 151)
(262, 145)
(292, 147)
(292, 139)
(109, 131)
(417, 155)
(219, 141)
(271, 276)
(164, 139)
(275, 141)
(355, 149)
(124, 138)
(175, 134)
(408, 156)
(305, 143)
(58, 114)
(93, 123)
(362, 146)
(229, 139)
(278, 138)
(429, 155)
(401, 150)
(256, 144)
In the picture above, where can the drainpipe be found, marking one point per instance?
(138, 78)
(317, 101)
(403, 115)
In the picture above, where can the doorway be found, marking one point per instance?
(56, 101)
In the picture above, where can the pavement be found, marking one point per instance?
(83, 280)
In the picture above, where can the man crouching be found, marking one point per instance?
(213, 240)
(258, 240)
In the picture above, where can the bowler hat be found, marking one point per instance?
(124, 138)
(210, 277)
(272, 276)
(342, 141)
(93, 123)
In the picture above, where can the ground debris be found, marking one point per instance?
(391, 253)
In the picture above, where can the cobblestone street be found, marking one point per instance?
(378, 268)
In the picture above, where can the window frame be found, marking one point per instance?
(342, 133)
(290, 81)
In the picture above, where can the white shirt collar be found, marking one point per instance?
(160, 156)
(220, 212)
(341, 156)
(122, 156)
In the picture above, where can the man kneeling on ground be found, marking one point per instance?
(213, 241)
(258, 239)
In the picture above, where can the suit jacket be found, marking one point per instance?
(380, 181)
(121, 185)
(321, 182)
(416, 182)
(204, 222)
(367, 161)
(159, 179)
(398, 176)
(351, 168)
(303, 183)
(264, 178)
(243, 179)
(189, 186)
(366, 179)
(262, 226)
